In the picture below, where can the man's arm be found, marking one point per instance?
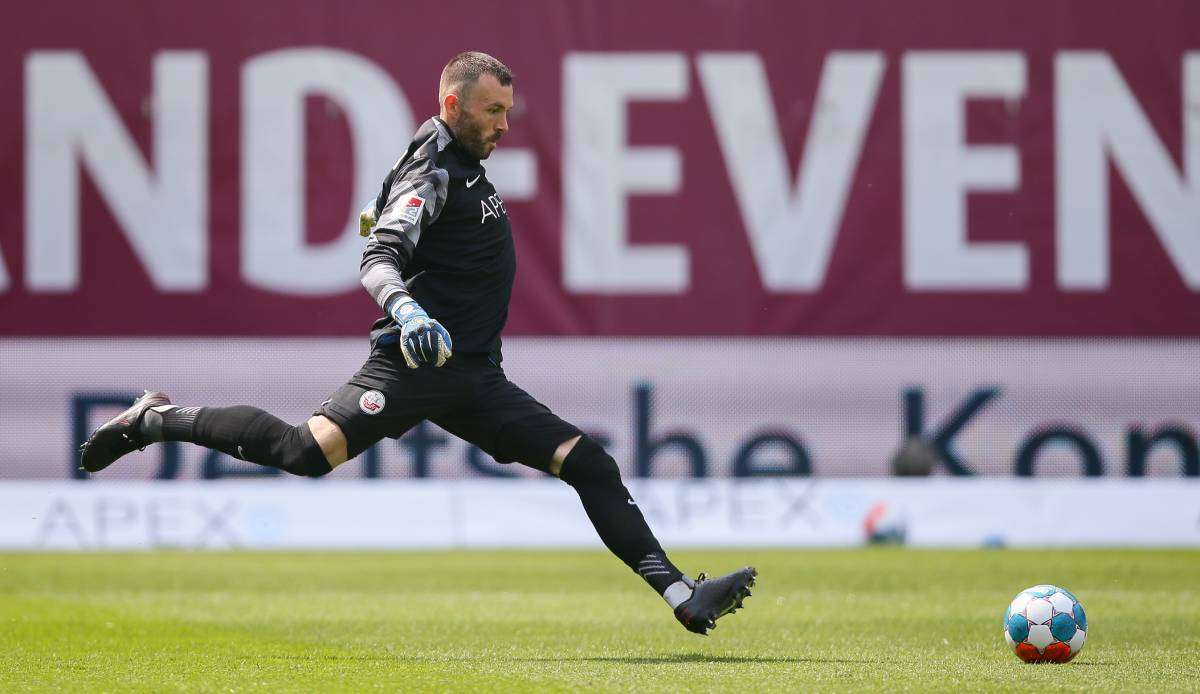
(386, 256)
(414, 200)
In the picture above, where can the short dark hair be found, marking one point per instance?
(465, 69)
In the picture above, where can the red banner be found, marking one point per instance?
(673, 168)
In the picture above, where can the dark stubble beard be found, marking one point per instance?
(470, 134)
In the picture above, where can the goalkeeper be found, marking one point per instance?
(440, 262)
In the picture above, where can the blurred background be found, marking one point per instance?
(816, 273)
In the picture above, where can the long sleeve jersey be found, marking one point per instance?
(442, 235)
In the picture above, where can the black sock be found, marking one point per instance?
(658, 571)
(243, 432)
(169, 423)
(615, 515)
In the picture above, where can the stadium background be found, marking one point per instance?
(776, 251)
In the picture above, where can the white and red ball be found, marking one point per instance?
(1045, 624)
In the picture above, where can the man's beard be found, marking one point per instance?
(470, 135)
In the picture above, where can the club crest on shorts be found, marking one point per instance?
(372, 402)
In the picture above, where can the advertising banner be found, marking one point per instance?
(442, 514)
(664, 408)
(985, 169)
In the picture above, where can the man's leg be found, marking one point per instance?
(511, 425)
(310, 449)
(539, 439)
(352, 420)
(330, 438)
(593, 474)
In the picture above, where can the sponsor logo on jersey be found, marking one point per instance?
(473, 181)
(492, 207)
(411, 211)
(372, 402)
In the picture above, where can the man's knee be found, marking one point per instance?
(330, 439)
(299, 453)
(587, 464)
(560, 454)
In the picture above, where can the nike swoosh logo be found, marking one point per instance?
(473, 181)
(631, 502)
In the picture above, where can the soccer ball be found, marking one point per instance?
(1045, 624)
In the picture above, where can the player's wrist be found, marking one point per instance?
(406, 309)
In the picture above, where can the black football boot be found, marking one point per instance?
(119, 435)
(713, 598)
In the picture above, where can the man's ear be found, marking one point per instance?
(450, 104)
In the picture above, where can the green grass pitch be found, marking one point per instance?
(857, 620)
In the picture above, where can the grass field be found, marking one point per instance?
(828, 620)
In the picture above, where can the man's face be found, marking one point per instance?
(481, 118)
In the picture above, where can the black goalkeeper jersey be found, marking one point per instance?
(442, 235)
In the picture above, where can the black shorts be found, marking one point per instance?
(469, 396)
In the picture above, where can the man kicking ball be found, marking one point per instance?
(440, 262)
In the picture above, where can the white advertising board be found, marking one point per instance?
(414, 514)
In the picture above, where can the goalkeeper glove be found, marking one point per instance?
(422, 339)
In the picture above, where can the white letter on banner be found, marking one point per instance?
(161, 210)
(274, 86)
(513, 171)
(940, 169)
(600, 171)
(1096, 116)
(792, 235)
